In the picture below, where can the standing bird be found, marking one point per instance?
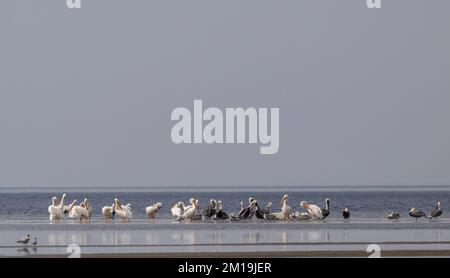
(210, 210)
(109, 212)
(177, 210)
(393, 215)
(326, 210)
(35, 242)
(124, 211)
(24, 240)
(190, 211)
(78, 212)
(437, 211)
(220, 214)
(263, 213)
(151, 211)
(285, 208)
(88, 208)
(314, 211)
(346, 213)
(417, 213)
(56, 210)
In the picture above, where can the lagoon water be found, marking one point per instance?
(25, 212)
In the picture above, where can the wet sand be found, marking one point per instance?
(276, 254)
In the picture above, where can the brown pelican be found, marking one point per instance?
(245, 212)
(210, 210)
(393, 215)
(263, 213)
(417, 213)
(437, 211)
(346, 213)
(326, 210)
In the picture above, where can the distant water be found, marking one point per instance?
(25, 205)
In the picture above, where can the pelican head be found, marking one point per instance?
(327, 201)
(196, 203)
(54, 199)
(158, 205)
(304, 204)
(191, 200)
(346, 210)
(250, 200)
(439, 204)
(180, 205)
(412, 209)
(269, 204)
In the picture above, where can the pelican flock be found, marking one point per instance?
(214, 210)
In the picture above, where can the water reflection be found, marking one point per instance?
(64, 238)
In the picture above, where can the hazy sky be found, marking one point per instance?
(86, 95)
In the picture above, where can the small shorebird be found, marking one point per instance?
(24, 240)
(34, 242)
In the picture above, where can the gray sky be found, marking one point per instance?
(86, 95)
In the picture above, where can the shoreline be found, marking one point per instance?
(265, 254)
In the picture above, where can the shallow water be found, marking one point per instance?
(367, 204)
(26, 213)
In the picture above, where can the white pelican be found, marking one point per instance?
(285, 208)
(124, 212)
(261, 213)
(190, 211)
(314, 211)
(151, 211)
(191, 201)
(177, 210)
(78, 212)
(68, 208)
(56, 210)
(109, 212)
